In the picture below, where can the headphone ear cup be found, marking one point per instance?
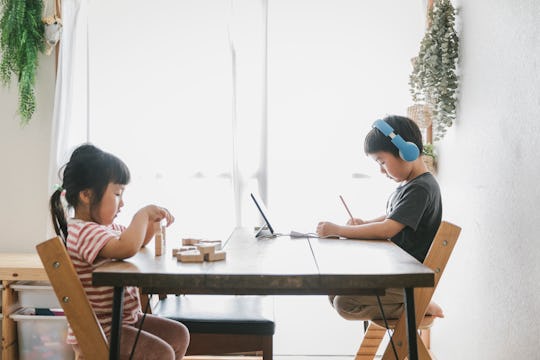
(409, 151)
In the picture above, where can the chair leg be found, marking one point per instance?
(425, 335)
(267, 348)
(423, 352)
(370, 344)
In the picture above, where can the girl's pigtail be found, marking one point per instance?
(58, 214)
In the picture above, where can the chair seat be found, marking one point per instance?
(220, 314)
(427, 322)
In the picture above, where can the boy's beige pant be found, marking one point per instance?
(365, 307)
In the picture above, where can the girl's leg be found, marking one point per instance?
(172, 332)
(149, 346)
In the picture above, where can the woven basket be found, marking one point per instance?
(420, 114)
(430, 163)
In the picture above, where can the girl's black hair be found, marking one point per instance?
(376, 141)
(88, 168)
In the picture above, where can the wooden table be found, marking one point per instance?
(276, 266)
(15, 267)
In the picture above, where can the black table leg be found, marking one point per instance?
(411, 323)
(116, 326)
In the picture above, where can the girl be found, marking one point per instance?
(93, 185)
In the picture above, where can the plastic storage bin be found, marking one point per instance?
(1, 316)
(1, 288)
(42, 337)
(36, 294)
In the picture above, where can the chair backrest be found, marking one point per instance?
(72, 298)
(436, 259)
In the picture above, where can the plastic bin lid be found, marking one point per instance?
(31, 285)
(30, 314)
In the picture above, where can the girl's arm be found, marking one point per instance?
(137, 234)
(150, 232)
(383, 229)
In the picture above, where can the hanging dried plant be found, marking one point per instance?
(433, 80)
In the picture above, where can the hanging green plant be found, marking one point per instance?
(434, 81)
(21, 41)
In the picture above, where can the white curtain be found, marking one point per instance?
(109, 76)
(70, 116)
(178, 92)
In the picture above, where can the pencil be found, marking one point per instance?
(347, 208)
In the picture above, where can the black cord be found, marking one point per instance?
(386, 326)
(140, 327)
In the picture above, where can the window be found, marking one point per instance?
(196, 94)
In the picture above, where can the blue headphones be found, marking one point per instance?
(408, 151)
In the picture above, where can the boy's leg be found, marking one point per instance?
(366, 307)
(172, 332)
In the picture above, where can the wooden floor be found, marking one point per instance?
(276, 357)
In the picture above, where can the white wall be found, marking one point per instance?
(24, 161)
(489, 172)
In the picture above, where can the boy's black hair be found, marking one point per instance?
(88, 168)
(376, 141)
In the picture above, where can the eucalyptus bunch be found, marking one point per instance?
(434, 80)
(21, 41)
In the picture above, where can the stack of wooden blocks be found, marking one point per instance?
(159, 239)
(192, 250)
(196, 250)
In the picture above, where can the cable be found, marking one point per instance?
(140, 327)
(386, 326)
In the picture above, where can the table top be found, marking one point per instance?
(21, 266)
(282, 265)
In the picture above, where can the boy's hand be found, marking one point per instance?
(325, 228)
(355, 221)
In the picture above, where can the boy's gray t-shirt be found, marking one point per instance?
(418, 206)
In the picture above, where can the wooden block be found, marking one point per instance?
(158, 242)
(217, 243)
(190, 256)
(159, 239)
(175, 251)
(215, 256)
(190, 241)
(206, 248)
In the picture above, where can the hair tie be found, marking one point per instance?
(58, 187)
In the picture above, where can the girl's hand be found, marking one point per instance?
(157, 214)
(355, 221)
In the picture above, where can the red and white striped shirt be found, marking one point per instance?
(84, 242)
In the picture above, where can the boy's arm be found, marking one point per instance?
(358, 221)
(383, 229)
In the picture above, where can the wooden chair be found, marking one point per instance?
(238, 325)
(72, 297)
(436, 259)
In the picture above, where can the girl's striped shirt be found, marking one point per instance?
(84, 242)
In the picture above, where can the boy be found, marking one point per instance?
(413, 214)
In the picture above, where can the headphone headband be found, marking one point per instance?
(408, 151)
